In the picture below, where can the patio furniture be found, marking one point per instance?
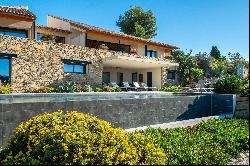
(114, 84)
(127, 86)
(144, 85)
(138, 87)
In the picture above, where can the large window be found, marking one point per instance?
(4, 70)
(74, 67)
(151, 53)
(111, 46)
(14, 32)
(171, 74)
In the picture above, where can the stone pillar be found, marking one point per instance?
(163, 75)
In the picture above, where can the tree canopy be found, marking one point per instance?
(138, 22)
(215, 52)
(187, 66)
(192, 68)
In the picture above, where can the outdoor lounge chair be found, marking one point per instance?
(138, 87)
(144, 85)
(114, 84)
(127, 86)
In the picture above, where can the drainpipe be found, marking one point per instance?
(34, 30)
(161, 76)
(86, 37)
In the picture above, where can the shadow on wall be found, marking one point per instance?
(201, 107)
(209, 105)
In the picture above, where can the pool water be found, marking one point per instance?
(89, 96)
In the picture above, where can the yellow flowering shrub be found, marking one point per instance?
(147, 151)
(76, 138)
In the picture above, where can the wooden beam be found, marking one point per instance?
(17, 17)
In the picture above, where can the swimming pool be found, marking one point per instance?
(85, 96)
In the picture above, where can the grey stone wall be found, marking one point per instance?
(242, 107)
(39, 63)
(124, 113)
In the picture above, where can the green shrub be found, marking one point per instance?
(97, 89)
(48, 89)
(244, 91)
(68, 87)
(111, 89)
(5, 89)
(228, 84)
(211, 142)
(148, 152)
(76, 138)
(116, 89)
(232, 135)
(173, 88)
(87, 88)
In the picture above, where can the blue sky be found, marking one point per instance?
(188, 24)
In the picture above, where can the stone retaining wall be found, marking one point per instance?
(39, 63)
(124, 113)
(242, 107)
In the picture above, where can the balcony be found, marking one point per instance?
(110, 46)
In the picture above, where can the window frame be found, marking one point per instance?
(173, 72)
(76, 62)
(9, 57)
(73, 64)
(151, 53)
(7, 29)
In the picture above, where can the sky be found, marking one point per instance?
(187, 24)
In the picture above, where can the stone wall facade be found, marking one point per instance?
(39, 64)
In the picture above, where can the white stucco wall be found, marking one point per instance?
(77, 38)
(56, 23)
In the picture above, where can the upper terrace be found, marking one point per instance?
(92, 36)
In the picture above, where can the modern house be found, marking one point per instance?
(79, 52)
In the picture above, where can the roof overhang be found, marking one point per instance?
(17, 17)
(94, 29)
(135, 63)
(52, 29)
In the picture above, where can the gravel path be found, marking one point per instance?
(241, 159)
